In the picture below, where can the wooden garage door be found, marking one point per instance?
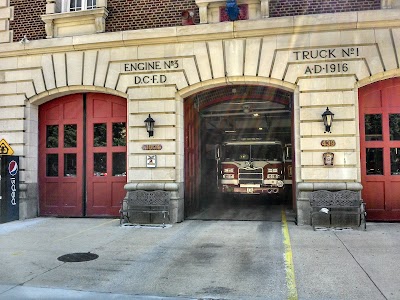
(380, 149)
(192, 159)
(82, 155)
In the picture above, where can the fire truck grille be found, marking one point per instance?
(250, 176)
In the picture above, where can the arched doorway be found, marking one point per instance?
(82, 155)
(379, 106)
(253, 116)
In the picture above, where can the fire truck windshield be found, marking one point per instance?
(237, 152)
(253, 152)
(266, 152)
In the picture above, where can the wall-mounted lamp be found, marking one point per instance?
(150, 125)
(327, 117)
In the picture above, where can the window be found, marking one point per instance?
(74, 17)
(76, 5)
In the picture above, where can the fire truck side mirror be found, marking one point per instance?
(217, 152)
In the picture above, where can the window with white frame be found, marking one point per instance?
(77, 5)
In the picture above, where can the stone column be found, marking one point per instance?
(50, 6)
(203, 12)
(49, 27)
(102, 3)
(7, 14)
(265, 8)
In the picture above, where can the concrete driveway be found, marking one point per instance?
(197, 260)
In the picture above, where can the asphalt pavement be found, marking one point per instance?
(197, 259)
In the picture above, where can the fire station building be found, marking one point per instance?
(78, 80)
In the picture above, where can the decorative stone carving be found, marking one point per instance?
(265, 8)
(387, 4)
(50, 6)
(49, 26)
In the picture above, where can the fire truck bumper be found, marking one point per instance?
(251, 190)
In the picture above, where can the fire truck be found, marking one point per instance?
(251, 167)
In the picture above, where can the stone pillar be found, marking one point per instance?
(50, 6)
(385, 4)
(102, 3)
(265, 8)
(388, 4)
(49, 27)
(100, 23)
(6, 14)
(203, 12)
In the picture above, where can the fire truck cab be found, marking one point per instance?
(250, 167)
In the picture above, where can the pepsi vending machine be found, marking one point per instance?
(9, 201)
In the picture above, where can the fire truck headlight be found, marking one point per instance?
(229, 176)
(279, 183)
(228, 170)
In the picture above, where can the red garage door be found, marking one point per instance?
(82, 155)
(192, 159)
(380, 149)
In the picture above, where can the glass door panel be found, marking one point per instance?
(119, 164)
(100, 135)
(394, 127)
(100, 164)
(374, 161)
(395, 161)
(52, 136)
(70, 135)
(373, 127)
(52, 165)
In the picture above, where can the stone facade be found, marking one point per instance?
(322, 59)
(6, 14)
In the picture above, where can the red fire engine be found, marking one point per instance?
(251, 167)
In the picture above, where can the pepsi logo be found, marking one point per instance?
(13, 168)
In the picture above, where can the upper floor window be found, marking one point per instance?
(77, 5)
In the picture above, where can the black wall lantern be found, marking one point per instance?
(150, 125)
(327, 116)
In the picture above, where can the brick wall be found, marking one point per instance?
(27, 19)
(280, 8)
(141, 14)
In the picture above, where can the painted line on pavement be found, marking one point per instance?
(290, 276)
(102, 224)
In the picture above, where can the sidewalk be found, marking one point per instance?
(196, 260)
(347, 264)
